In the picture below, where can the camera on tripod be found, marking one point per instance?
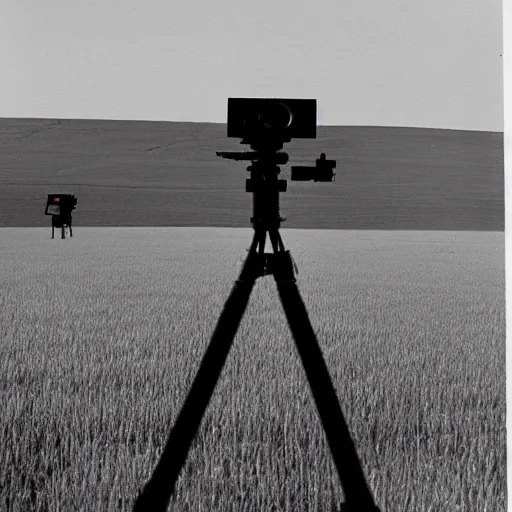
(264, 124)
(60, 206)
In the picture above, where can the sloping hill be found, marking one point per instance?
(133, 173)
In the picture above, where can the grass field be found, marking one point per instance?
(102, 334)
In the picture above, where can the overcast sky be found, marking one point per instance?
(429, 63)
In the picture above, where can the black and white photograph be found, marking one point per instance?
(252, 256)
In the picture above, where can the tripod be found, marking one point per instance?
(266, 221)
(62, 221)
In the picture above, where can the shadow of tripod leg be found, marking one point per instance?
(158, 491)
(357, 493)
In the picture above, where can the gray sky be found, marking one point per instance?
(430, 63)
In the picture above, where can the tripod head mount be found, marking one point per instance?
(263, 183)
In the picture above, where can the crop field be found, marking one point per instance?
(102, 335)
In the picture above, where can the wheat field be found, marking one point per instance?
(102, 334)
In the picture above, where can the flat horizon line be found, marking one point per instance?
(108, 120)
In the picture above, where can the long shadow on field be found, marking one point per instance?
(160, 488)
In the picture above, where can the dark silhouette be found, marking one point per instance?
(266, 220)
(60, 206)
(158, 491)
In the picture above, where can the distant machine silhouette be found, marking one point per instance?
(60, 206)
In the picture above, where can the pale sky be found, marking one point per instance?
(425, 63)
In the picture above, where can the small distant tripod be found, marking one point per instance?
(64, 222)
(266, 220)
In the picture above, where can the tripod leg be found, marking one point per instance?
(157, 493)
(262, 240)
(357, 494)
(276, 240)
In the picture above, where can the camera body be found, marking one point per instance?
(279, 118)
(60, 204)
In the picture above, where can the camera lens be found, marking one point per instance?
(275, 116)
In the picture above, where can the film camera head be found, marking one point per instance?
(268, 123)
(60, 204)
(254, 119)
